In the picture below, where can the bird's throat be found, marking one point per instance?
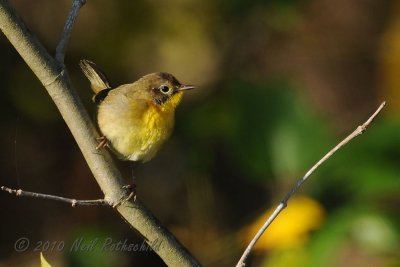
(172, 102)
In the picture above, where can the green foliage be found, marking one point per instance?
(264, 128)
(88, 248)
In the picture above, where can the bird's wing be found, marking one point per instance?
(127, 103)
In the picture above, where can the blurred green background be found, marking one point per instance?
(279, 83)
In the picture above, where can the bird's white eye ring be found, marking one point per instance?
(164, 89)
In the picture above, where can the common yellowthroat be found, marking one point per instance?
(135, 119)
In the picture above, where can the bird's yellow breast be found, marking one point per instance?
(138, 134)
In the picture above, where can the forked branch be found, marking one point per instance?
(66, 34)
(54, 77)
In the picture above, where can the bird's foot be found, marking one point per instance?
(103, 142)
(130, 190)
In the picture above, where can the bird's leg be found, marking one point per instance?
(130, 190)
(103, 142)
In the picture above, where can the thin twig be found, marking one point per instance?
(73, 202)
(359, 130)
(66, 34)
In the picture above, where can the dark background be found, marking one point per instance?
(279, 83)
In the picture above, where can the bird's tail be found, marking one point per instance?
(98, 80)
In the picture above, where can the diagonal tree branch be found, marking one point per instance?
(55, 79)
(358, 131)
(66, 34)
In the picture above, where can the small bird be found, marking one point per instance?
(137, 118)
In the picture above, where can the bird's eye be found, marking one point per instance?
(165, 89)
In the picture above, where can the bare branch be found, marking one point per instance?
(359, 130)
(57, 83)
(66, 34)
(73, 202)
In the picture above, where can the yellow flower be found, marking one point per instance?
(291, 228)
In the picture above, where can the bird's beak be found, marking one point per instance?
(186, 87)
